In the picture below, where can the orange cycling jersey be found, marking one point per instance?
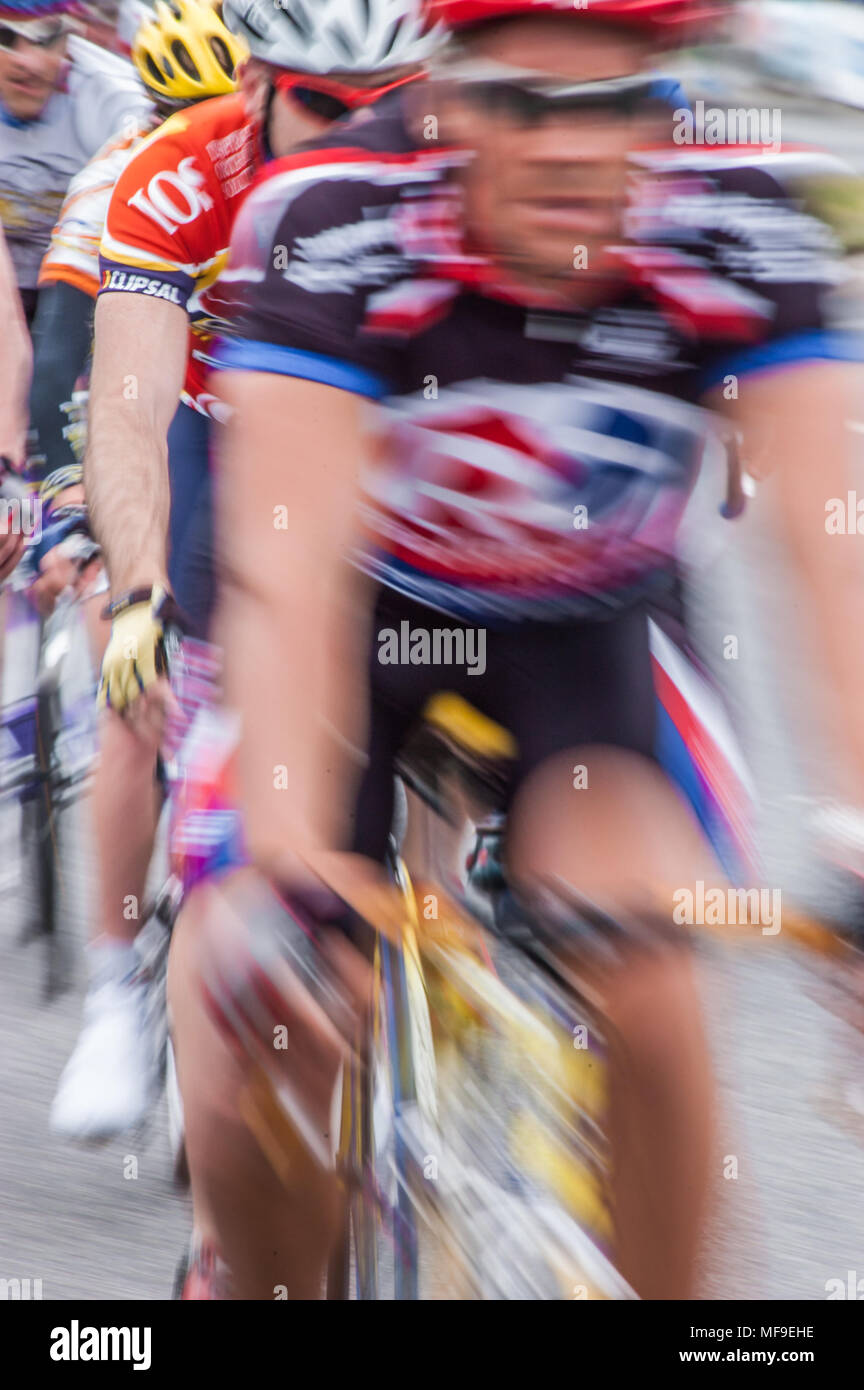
(169, 221)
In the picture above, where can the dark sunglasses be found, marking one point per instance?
(322, 104)
(528, 99)
(8, 37)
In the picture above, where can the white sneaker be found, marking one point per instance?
(107, 1085)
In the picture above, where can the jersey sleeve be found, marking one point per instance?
(155, 229)
(315, 243)
(778, 267)
(73, 255)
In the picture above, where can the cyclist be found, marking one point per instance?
(69, 277)
(60, 99)
(184, 54)
(164, 246)
(538, 366)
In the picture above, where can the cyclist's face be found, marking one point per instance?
(546, 195)
(29, 73)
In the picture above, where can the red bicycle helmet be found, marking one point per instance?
(643, 14)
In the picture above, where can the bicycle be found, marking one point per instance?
(465, 1030)
(48, 754)
(472, 1148)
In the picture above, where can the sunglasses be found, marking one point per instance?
(529, 99)
(330, 99)
(39, 39)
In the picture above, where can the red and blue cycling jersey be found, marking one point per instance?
(533, 460)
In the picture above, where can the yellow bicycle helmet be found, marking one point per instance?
(186, 53)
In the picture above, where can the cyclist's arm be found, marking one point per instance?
(62, 331)
(795, 424)
(139, 360)
(301, 376)
(291, 618)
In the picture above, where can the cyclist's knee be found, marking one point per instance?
(608, 822)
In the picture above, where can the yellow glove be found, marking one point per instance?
(135, 656)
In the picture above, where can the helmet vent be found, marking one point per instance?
(300, 22)
(222, 56)
(184, 60)
(158, 77)
(390, 42)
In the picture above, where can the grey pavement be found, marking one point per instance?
(91, 1223)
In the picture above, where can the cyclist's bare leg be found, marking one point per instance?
(126, 807)
(271, 1237)
(628, 829)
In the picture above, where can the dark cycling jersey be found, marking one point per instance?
(538, 458)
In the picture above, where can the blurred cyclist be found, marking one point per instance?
(164, 247)
(69, 277)
(61, 98)
(184, 54)
(552, 325)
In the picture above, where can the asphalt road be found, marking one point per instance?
(94, 1223)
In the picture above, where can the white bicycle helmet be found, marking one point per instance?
(329, 36)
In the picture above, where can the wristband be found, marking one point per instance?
(165, 606)
(127, 600)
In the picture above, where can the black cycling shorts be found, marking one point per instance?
(552, 685)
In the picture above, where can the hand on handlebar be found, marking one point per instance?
(134, 681)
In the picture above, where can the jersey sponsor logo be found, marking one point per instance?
(631, 335)
(234, 160)
(173, 197)
(636, 341)
(340, 259)
(528, 496)
(141, 284)
(753, 238)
